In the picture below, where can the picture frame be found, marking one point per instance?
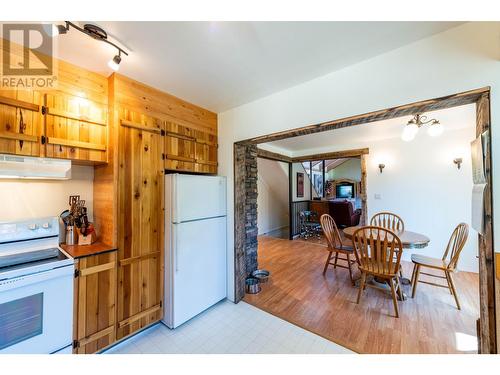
(300, 185)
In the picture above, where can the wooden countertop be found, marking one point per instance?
(80, 251)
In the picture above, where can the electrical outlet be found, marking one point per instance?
(378, 196)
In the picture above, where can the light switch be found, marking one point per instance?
(378, 196)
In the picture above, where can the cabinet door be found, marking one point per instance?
(140, 222)
(179, 148)
(21, 124)
(95, 302)
(76, 128)
(206, 152)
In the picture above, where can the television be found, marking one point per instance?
(345, 190)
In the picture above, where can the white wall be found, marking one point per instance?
(350, 169)
(459, 59)
(272, 201)
(24, 199)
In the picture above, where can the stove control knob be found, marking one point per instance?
(32, 226)
(46, 225)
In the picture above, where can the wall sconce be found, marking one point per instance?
(381, 167)
(458, 162)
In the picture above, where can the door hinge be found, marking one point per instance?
(43, 139)
(162, 156)
(162, 132)
(76, 344)
(77, 273)
(44, 110)
(161, 303)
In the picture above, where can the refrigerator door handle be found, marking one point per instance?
(176, 255)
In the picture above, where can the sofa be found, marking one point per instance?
(344, 213)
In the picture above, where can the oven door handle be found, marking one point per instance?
(20, 281)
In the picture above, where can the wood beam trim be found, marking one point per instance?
(448, 101)
(138, 316)
(102, 333)
(180, 158)
(333, 155)
(180, 136)
(75, 144)
(131, 260)
(18, 136)
(264, 154)
(19, 104)
(72, 116)
(138, 126)
(96, 269)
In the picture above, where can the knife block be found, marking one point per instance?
(88, 239)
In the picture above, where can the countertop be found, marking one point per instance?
(80, 251)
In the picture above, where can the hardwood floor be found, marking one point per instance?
(326, 305)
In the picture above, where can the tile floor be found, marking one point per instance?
(229, 328)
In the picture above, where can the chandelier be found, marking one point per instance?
(411, 129)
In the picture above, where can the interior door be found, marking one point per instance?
(140, 222)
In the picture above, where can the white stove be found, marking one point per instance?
(36, 288)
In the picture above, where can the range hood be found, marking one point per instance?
(13, 166)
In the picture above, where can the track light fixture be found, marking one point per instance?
(96, 33)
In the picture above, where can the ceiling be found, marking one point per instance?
(220, 65)
(351, 137)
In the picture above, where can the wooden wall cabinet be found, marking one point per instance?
(140, 222)
(94, 326)
(21, 125)
(75, 128)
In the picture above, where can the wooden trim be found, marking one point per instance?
(127, 261)
(207, 162)
(72, 116)
(332, 155)
(138, 126)
(448, 101)
(362, 193)
(203, 142)
(75, 144)
(96, 336)
(497, 263)
(180, 136)
(18, 136)
(180, 158)
(96, 269)
(265, 154)
(19, 104)
(138, 316)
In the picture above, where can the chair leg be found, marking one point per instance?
(349, 266)
(415, 281)
(453, 289)
(361, 286)
(413, 273)
(327, 262)
(336, 258)
(400, 289)
(448, 282)
(394, 298)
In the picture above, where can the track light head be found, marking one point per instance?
(114, 63)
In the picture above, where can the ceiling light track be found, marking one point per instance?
(95, 32)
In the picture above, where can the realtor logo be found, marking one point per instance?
(27, 57)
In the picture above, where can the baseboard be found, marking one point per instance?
(272, 230)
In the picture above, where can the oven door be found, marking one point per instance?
(36, 312)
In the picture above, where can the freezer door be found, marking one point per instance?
(198, 197)
(199, 267)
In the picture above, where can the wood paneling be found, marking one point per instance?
(94, 325)
(326, 305)
(140, 222)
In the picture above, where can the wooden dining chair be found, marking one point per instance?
(447, 264)
(378, 252)
(388, 220)
(336, 246)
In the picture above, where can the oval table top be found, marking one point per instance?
(409, 240)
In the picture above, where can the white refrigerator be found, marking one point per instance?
(195, 245)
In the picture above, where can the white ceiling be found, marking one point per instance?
(351, 137)
(220, 65)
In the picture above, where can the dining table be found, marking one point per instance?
(409, 240)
